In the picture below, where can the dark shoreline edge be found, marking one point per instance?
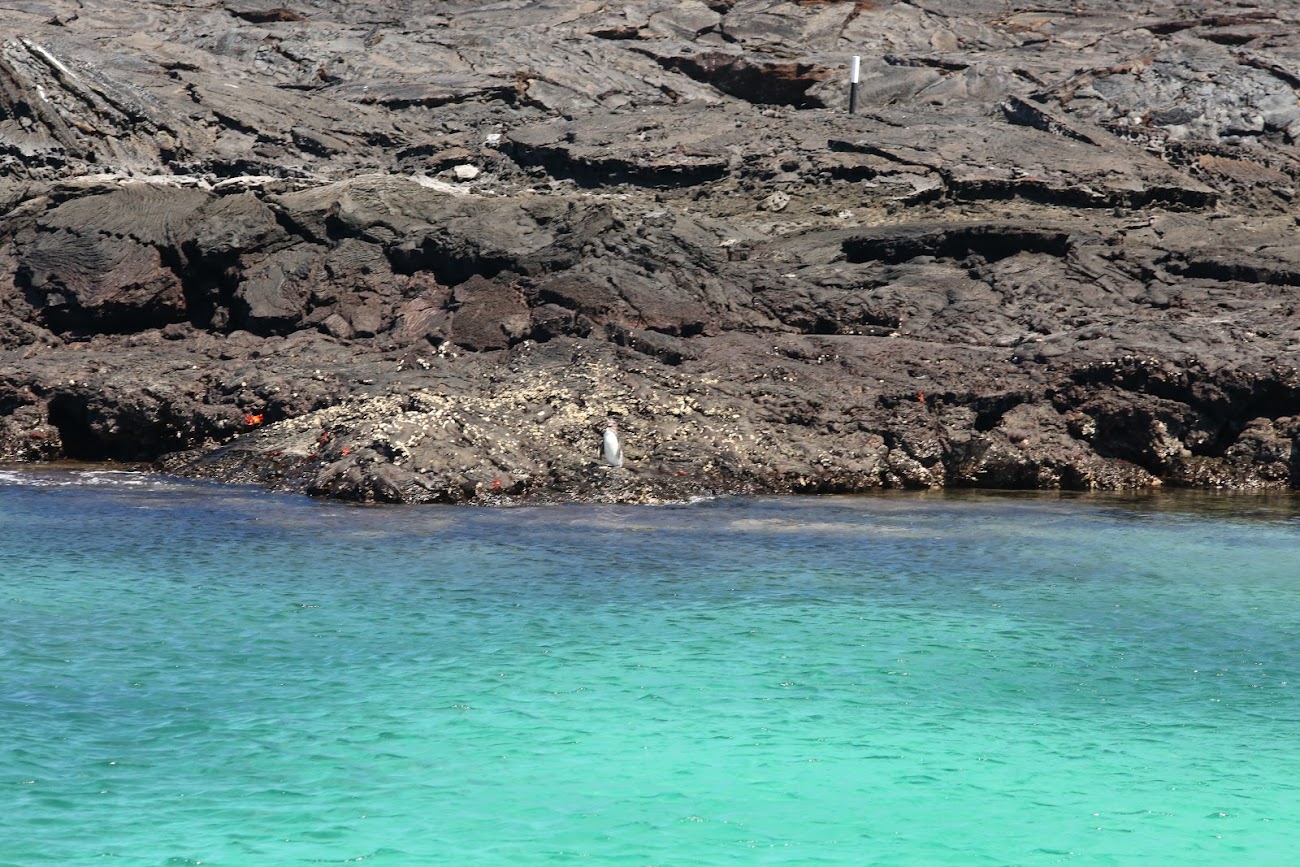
(1224, 503)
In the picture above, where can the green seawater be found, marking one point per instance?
(191, 674)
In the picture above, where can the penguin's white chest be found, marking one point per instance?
(613, 450)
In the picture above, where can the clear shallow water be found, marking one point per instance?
(192, 674)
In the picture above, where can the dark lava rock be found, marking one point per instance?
(385, 252)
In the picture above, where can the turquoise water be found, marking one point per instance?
(193, 674)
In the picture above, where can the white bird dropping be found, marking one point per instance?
(612, 449)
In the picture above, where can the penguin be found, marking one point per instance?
(611, 447)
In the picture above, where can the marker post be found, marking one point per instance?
(854, 70)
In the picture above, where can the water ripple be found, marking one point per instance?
(233, 677)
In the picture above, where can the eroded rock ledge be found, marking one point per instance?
(367, 252)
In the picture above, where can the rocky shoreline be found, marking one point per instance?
(364, 251)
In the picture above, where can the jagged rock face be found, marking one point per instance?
(391, 252)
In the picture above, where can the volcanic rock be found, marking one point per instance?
(382, 252)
